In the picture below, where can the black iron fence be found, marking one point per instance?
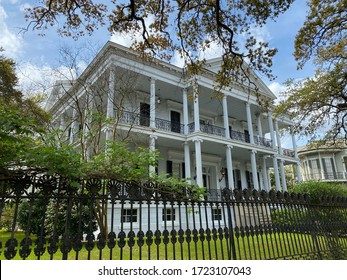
(45, 217)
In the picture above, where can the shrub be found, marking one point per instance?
(317, 189)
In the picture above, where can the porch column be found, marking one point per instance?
(254, 169)
(265, 174)
(110, 102)
(271, 127)
(226, 117)
(185, 111)
(277, 176)
(187, 161)
(87, 124)
(196, 108)
(152, 139)
(229, 161)
(260, 126)
(283, 176)
(298, 172)
(295, 148)
(321, 166)
(278, 138)
(73, 125)
(62, 123)
(198, 162)
(152, 103)
(249, 122)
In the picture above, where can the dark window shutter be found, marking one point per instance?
(169, 168)
(183, 170)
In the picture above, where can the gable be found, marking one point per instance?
(214, 65)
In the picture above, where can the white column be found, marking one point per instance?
(62, 123)
(283, 176)
(198, 162)
(110, 94)
(196, 108)
(185, 111)
(295, 148)
(265, 174)
(260, 127)
(187, 161)
(226, 117)
(110, 103)
(73, 126)
(254, 170)
(243, 175)
(229, 161)
(321, 166)
(152, 103)
(271, 127)
(298, 173)
(277, 176)
(280, 151)
(249, 122)
(152, 139)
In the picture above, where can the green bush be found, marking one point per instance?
(53, 216)
(6, 220)
(317, 189)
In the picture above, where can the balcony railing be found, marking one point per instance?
(326, 176)
(164, 125)
(144, 120)
(288, 153)
(169, 126)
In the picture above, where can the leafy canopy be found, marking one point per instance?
(320, 101)
(162, 28)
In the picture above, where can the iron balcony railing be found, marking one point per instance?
(144, 120)
(164, 125)
(326, 176)
(288, 153)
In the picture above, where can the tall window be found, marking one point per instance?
(129, 216)
(169, 214)
(345, 163)
(216, 214)
(314, 168)
(329, 168)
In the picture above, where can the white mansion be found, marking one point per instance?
(218, 142)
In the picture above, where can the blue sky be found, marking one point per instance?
(37, 55)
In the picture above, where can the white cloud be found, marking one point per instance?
(24, 6)
(178, 60)
(126, 39)
(212, 51)
(277, 88)
(121, 39)
(9, 40)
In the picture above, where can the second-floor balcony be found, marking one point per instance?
(325, 176)
(138, 119)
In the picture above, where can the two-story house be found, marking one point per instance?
(216, 141)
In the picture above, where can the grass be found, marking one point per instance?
(265, 246)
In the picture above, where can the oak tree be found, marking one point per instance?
(320, 102)
(163, 28)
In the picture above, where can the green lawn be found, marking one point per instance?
(268, 246)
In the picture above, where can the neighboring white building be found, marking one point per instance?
(219, 142)
(324, 162)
